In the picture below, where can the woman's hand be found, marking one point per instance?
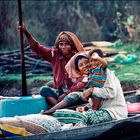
(21, 28)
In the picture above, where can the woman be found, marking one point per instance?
(112, 107)
(75, 76)
(66, 45)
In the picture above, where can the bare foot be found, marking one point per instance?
(46, 112)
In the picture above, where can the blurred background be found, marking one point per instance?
(90, 20)
(112, 25)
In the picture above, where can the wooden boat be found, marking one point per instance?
(128, 128)
(115, 130)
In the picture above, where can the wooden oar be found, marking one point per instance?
(24, 85)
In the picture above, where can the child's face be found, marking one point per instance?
(83, 65)
(94, 61)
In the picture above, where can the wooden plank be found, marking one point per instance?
(98, 44)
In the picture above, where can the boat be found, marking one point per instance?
(115, 130)
(123, 129)
(118, 129)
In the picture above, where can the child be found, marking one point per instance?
(96, 76)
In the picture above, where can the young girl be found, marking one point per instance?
(96, 76)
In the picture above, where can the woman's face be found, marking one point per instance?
(83, 65)
(65, 48)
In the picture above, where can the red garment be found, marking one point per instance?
(75, 87)
(58, 63)
(60, 75)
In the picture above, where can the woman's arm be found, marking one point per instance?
(40, 50)
(78, 85)
(31, 40)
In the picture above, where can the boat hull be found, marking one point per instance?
(123, 129)
(120, 129)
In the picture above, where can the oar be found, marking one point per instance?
(24, 85)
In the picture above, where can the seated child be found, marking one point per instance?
(96, 76)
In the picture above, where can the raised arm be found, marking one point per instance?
(96, 57)
(36, 47)
(31, 40)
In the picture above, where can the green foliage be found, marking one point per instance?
(132, 48)
(130, 20)
(129, 72)
(127, 21)
(37, 79)
(11, 78)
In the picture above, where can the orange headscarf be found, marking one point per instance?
(70, 66)
(71, 38)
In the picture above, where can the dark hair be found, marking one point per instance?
(98, 51)
(77, 60)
